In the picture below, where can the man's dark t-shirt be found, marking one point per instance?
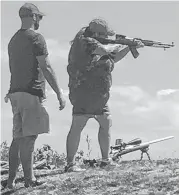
(26, 75)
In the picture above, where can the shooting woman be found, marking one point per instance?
(90, 64)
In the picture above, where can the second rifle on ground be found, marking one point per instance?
(121, 148)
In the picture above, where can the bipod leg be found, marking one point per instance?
(142, 154)
(145, 150)
(148, 156)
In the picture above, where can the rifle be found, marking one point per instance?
(122, 148)
(124, 40)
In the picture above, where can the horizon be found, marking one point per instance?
(145, 93)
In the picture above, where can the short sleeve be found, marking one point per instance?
(40, 46)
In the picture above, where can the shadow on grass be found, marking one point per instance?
(11, 191)
(20, 179)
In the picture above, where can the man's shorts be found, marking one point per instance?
(77, 110)
(29, 115)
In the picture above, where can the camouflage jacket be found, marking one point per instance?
(89, 73)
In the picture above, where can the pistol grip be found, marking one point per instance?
(134, 52)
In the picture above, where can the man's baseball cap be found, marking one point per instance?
(28, 9)
(100, 26)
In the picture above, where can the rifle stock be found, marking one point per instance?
(133, 148)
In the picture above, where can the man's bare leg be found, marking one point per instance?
(14, 161)
(26, 154)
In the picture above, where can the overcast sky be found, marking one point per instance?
(145, 94)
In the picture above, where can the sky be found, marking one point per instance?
(145, 94)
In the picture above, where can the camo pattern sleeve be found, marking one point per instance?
(89, 44)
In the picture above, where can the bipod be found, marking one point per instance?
(145, 150)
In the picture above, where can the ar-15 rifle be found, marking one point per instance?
(124, 40)
(122, 148)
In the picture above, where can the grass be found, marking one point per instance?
(130, 177)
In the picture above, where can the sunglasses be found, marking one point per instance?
(40, 17)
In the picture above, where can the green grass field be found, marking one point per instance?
(130, 177)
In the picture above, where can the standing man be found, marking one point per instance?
(29, 67)
(90, 64)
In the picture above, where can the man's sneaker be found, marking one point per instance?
(71, 167)
(108, 163)
(34, 183)
(11, 186)
(8, 185)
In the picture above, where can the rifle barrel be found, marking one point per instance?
(157, 44)
(159, 140)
